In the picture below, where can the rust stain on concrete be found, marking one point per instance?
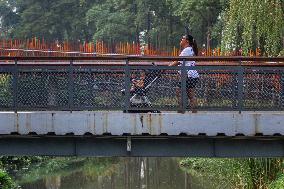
(28, 122)
(149, 123)
(17, 123)
(141, 121)
(256, 123)
(52, 122)
(134, 124)
(160, 123)
(105, 122)
(94, 126)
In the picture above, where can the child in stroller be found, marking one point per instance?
(139, 89)
(137, 84)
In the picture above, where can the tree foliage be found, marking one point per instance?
(8, 17)
(52, 19)
(200, 16)
(111, 20)
(252, 24)
(231, 24)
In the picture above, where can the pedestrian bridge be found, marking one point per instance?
(76, 108)
(205, 134)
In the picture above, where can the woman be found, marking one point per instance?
(189, 48)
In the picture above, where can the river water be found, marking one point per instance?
(107, 173)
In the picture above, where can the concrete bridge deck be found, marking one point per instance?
(203, 134)
(166, 123)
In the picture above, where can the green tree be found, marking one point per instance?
(8, 17)
(254, 23)
(166, 28)
(200, 16)
(111, 20)
(123, 20)
(52, 19)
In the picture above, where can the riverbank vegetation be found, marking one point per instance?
(202, 173)
(17, 171)
(251, 173)
(6, 181)
(11, 165)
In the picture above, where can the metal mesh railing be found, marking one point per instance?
(42, 88)
(217, 89)
(263, 89)
(6, 88)
(134, 87)
(102, 89)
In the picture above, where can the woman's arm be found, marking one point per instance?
(175, 63)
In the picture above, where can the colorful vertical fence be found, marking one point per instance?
(39, 47)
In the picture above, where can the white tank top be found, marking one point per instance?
(188, 51)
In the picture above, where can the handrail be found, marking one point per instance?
(148, 58)
(71, 85)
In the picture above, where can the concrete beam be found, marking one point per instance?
(142, 146)
(118, 123)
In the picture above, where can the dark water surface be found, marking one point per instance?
(106, 173)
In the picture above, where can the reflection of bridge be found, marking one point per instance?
(70, 105)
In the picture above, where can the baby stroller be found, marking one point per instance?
(139, 90)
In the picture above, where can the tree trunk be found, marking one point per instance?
(208, 40)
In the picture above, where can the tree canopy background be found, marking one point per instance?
(229, 24)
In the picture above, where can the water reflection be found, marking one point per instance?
(110, 173)
(53, 182)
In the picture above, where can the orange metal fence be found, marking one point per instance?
(217, 52)
(39, 47)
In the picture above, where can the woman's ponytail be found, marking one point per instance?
(193, 44)
(194, 47)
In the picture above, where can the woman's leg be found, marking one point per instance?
(192, 99)
(178, 93)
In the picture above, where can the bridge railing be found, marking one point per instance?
(107, 83)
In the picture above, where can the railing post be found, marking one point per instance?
(183, 87)
(127, 87)
(240, 87)
(70, 86)
(15, 86)
(282, 90)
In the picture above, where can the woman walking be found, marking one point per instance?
(189, 48)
